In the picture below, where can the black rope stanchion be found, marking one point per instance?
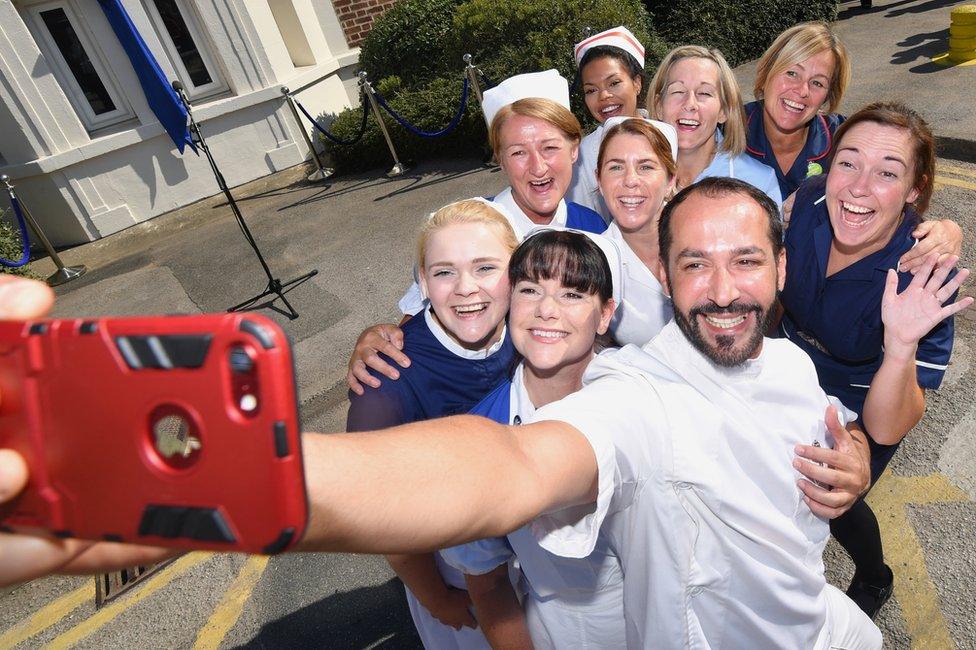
(64, 273)
(398, 167)
(275, 287)
(322, 172)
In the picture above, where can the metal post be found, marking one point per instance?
(472, 73)
(398, 167)
(64, 273)
(322, 172)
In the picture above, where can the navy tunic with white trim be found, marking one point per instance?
(811, 161)
(437, 383)
(837, 319)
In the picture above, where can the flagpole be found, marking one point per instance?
(275, 287)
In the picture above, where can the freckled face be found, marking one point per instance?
(608, 89)
(553, 326)
(792, 97)
(633, 182)
(690, 102)
(538, 159)
(465, 276)
(868, 185)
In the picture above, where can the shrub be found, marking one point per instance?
(413, 55)
(408, 41)
(11, 248)
(517, 36)
(741, 29)
(429, 108)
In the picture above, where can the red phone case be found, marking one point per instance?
(172, 430)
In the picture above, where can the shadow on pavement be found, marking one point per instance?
(894, 9)
(418, 185)
(369, 617)
(922, 47)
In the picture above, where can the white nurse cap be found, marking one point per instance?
(610, 251)
(619, 37)
(669, 132)
(497, 207)
(544, 85)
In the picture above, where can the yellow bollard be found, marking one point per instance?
(962, 37)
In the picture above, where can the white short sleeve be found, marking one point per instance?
(412, 302)
(605, 412)
(478, 557)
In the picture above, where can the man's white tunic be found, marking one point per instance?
(699, 496)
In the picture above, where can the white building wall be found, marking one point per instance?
(81, 186)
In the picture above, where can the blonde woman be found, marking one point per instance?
(695, 91)
(800, 81)
(460, 350)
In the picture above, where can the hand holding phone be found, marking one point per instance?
(168, 431)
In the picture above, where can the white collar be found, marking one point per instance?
(520, 221)
(675, 348)
(633, 265)
(520, 404)
(454, 347)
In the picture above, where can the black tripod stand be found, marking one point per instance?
(275, 286)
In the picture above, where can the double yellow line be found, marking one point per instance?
(211, 635)
(943, 177)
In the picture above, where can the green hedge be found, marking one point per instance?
(408, 41)
(429, 108)
(413, 57)
(11, 248)
(741, 29)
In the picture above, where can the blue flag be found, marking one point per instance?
(163, 100)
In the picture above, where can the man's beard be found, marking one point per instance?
(724, 353)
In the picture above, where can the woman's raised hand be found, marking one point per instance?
(911, 314)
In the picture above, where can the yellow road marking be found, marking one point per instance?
(108, 613)
(229, 610)
(946, 180)
(47, 616)
(959, 171)
(914, 589)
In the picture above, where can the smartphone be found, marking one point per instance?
(172, 430)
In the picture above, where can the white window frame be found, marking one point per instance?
(62, 71)
(193, 92)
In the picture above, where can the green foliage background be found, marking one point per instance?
(11, 248)
(413, 57)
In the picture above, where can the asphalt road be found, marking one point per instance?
(358, 233)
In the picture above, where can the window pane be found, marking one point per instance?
(183, 41)
(77, 59)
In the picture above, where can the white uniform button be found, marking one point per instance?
(681, 485)
(695, 591)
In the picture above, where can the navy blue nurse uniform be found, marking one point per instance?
(580, 217)
(437, 383)
(811, 161)
(837, 319)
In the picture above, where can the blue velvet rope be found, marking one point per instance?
(25, 257)
(485, 80)
(429, 134)
(340, 141)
